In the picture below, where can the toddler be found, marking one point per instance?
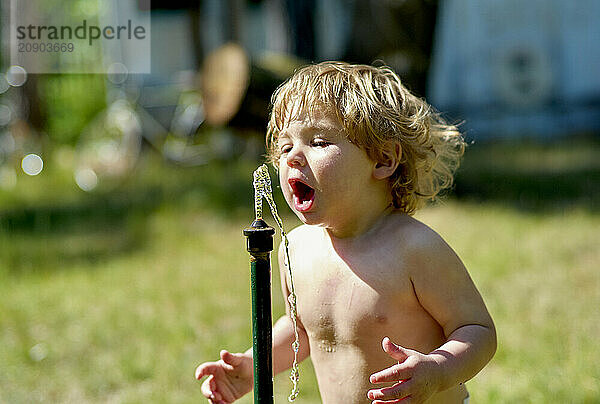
(386, 309)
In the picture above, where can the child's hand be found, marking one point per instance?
(229, 379)
(417, 376)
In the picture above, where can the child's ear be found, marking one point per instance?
(388, 162)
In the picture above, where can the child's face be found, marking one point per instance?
(325, 179)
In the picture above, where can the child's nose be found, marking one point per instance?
(296, 157)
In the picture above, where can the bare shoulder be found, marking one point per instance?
(420, 242)
(441, 282)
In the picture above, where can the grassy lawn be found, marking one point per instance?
(118, 297)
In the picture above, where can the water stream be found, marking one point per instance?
(262, 189)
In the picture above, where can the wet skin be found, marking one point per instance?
(353, 294)
(364, 272)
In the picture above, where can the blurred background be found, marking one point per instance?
(123, 196)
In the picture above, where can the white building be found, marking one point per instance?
(518, 68)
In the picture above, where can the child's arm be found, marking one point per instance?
(283, 331)
(446, 291)
(232, 377)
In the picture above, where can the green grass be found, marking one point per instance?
(538, 275)
(118, 297)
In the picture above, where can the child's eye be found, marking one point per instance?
(320, 143)
(285, 149)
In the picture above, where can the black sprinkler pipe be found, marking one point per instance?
(259, 245)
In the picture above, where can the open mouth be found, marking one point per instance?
(302, 194)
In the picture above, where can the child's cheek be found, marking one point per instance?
(330, 167)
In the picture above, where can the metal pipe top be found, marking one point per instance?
(259, 237)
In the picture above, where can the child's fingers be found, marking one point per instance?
(395, 351)
(212, 384)
(231, 358)
(399, 391)
(210, 391)
(400, 400)
(206, 369)
(207, 389)
(394, 373)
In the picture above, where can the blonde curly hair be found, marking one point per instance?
(375, 110)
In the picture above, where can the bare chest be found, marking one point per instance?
(348, 303)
